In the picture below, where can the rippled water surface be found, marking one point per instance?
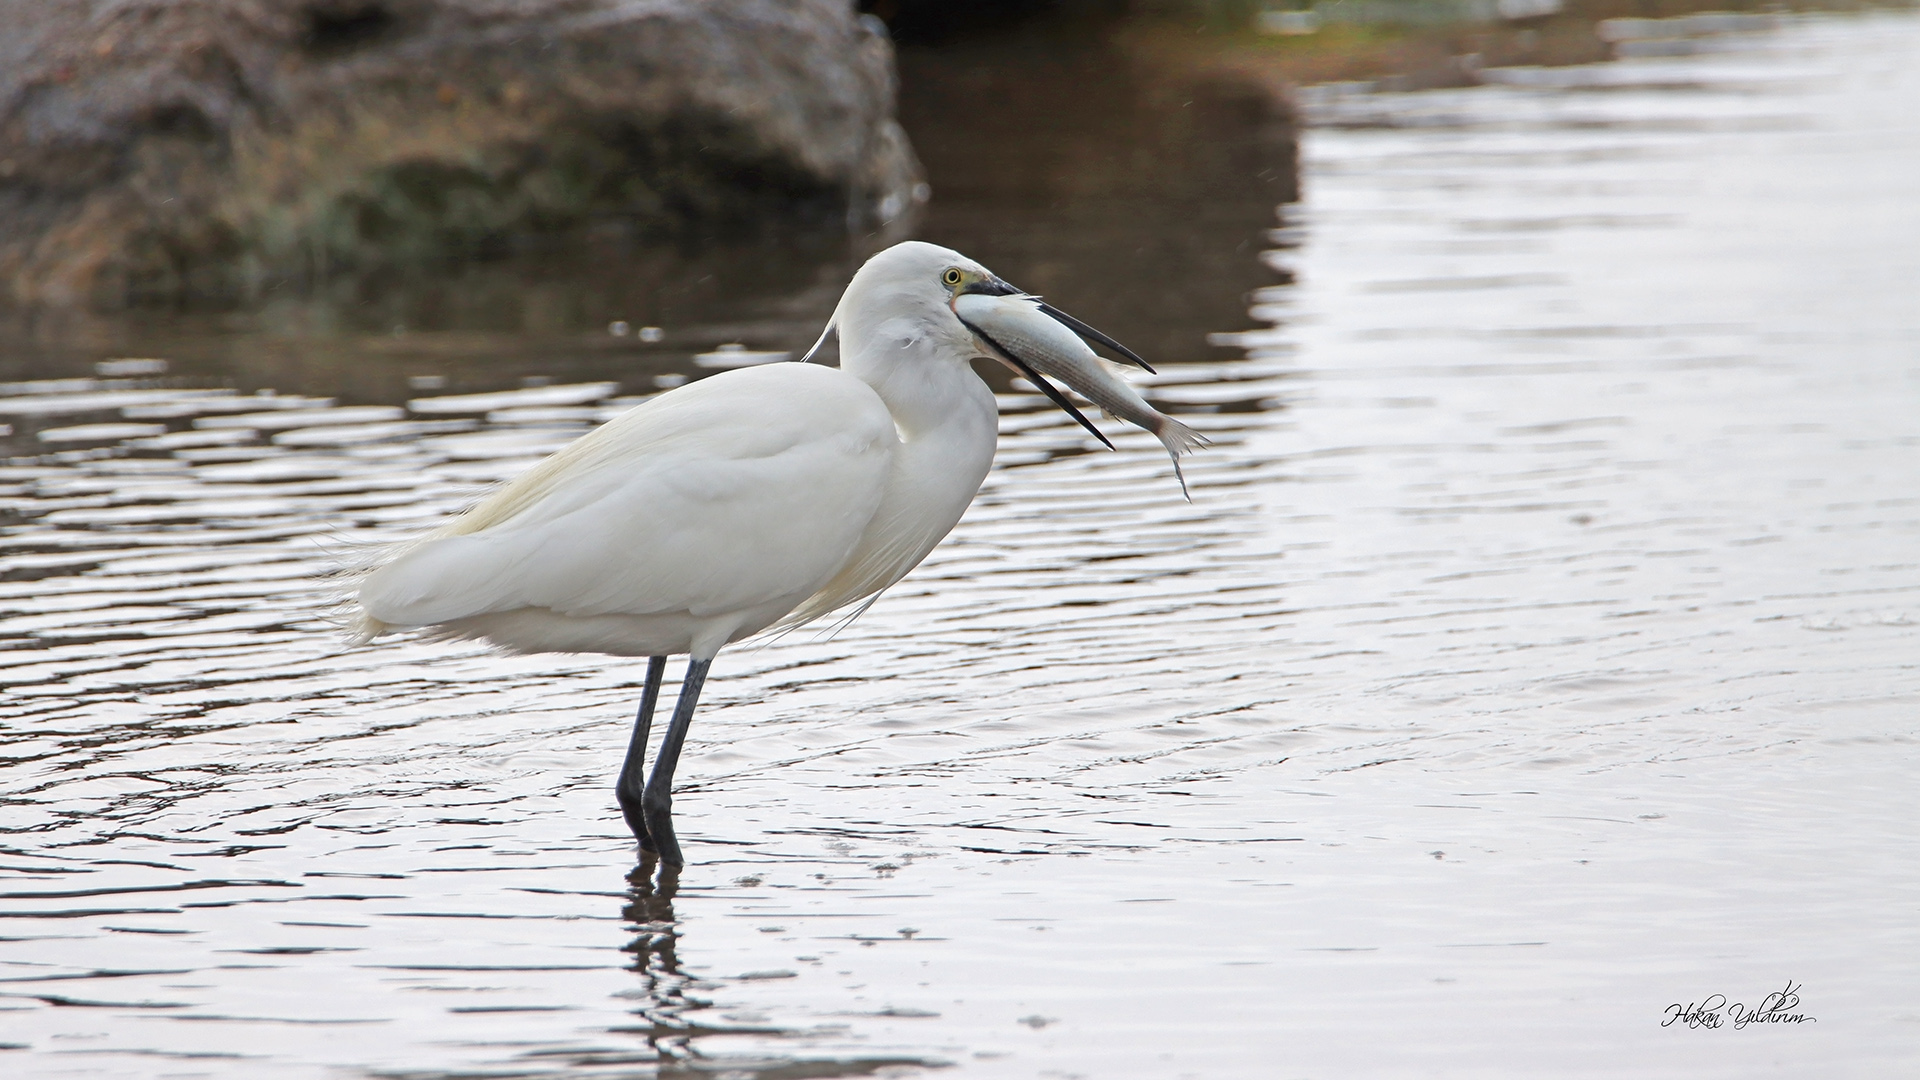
(1539, 651)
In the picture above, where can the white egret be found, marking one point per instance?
(757, 498)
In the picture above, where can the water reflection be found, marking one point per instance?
(1136, 197)
(472, 327)
(686, 1031)
(655, 951)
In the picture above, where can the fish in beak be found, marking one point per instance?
(1037, 339)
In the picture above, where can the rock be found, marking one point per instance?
(213, 148)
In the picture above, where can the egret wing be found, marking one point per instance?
(729, 494)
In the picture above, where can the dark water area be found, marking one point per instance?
(1104, 171)
(471, 327)
(1141, 200)
(1536, 656)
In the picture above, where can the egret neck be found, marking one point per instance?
(948, 424)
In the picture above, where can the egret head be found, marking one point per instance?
(964, 277)
(916, 292)
(915, 281)
(918, 279)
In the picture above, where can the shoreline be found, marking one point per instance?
(1302, 48)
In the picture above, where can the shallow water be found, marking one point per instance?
(1538, 652)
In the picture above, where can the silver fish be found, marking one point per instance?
(1015, 330)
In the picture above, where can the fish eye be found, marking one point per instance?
(951, 277)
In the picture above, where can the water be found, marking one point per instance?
(1538, 652)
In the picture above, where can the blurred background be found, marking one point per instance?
(337, 195)
(334, 196)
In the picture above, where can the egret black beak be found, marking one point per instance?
(1093, 335)
(997, 287)
(1026, 370)
(993, 286)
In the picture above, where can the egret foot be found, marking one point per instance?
(630, 788)
(656, 802)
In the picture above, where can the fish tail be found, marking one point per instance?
(1179, 439)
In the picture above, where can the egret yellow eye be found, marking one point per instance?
(951, 277)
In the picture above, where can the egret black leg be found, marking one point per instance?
(631, 785)
(657, 802)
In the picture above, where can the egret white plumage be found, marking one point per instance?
(757, 498)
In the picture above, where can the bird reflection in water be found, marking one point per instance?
(670, 1014)
(656, 959)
